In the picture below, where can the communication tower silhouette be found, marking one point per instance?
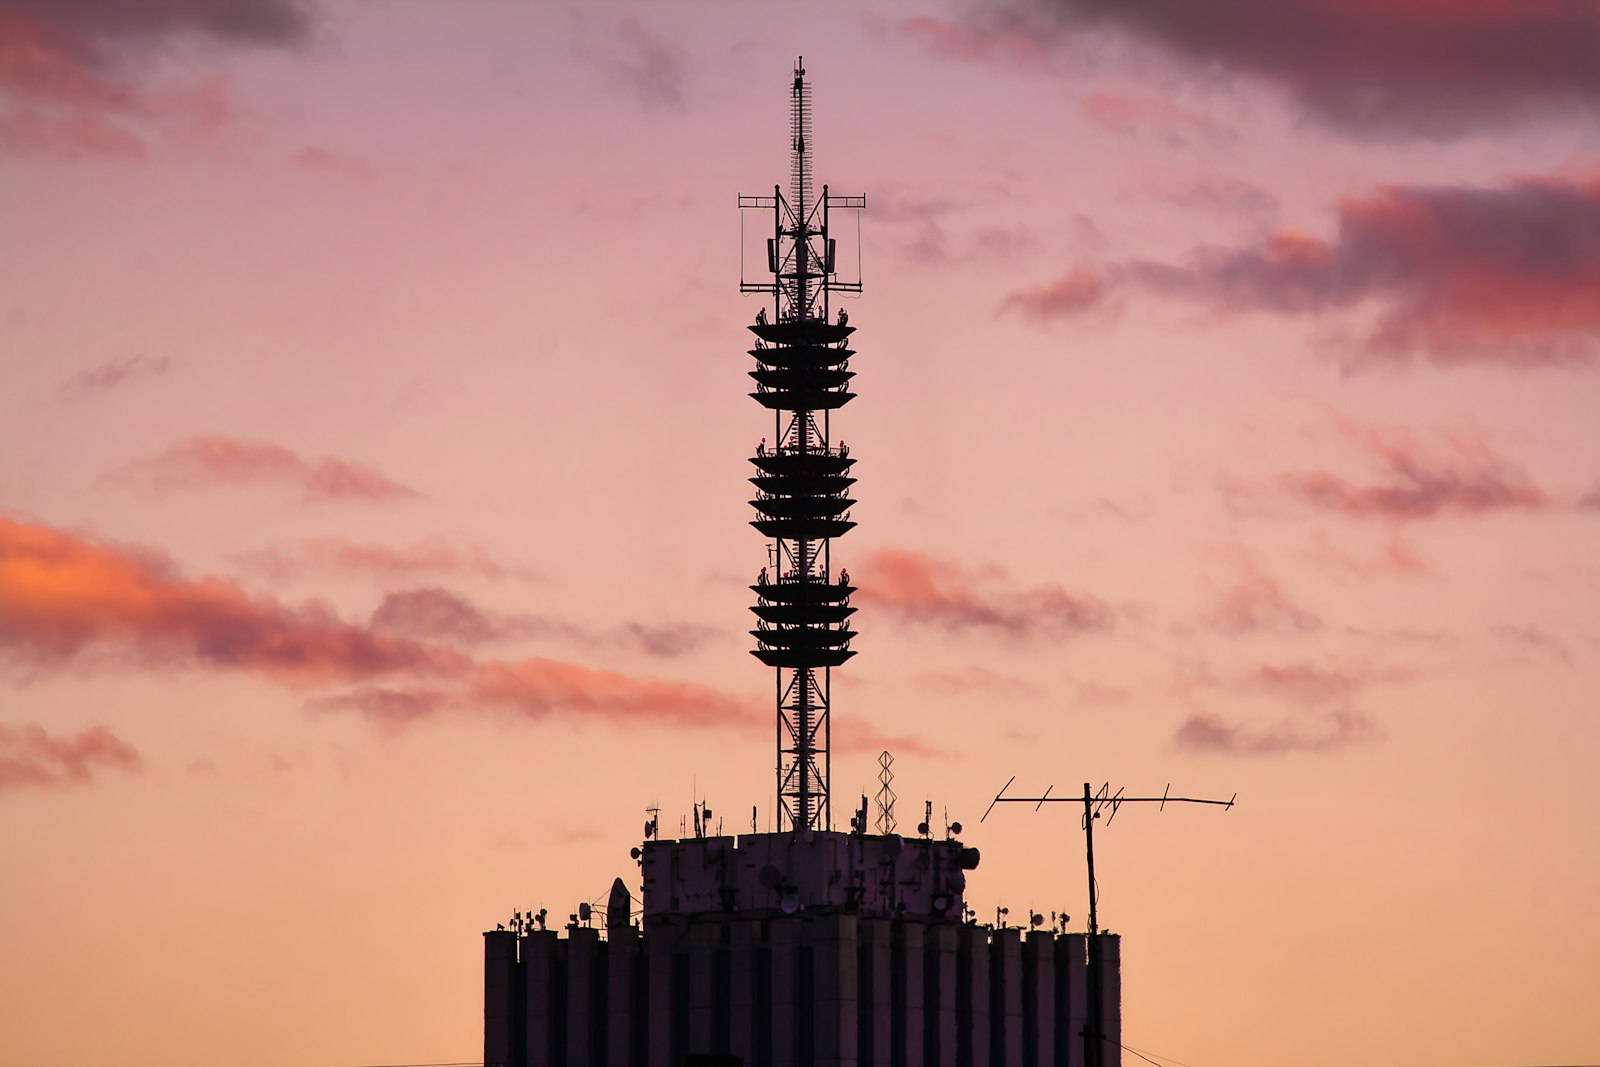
(802, 376)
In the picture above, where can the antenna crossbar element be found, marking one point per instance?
(1095, 803)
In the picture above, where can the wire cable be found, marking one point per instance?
(1145, 1054)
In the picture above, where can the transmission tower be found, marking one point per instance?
(802, 376)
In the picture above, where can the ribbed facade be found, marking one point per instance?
(829, 990)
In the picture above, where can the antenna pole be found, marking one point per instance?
(1091, 1027)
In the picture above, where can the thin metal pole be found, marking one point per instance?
(1091, 1027)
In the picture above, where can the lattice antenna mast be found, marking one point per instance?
(802, 375)
(1094, 805)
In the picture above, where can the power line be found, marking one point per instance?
(1142, 1054)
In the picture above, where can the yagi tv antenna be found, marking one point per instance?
(1094, 804)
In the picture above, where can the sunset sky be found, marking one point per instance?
(373, 513)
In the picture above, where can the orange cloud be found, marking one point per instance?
(207, 461)
(537, 687)
(917, 588)
(65, 599)
(29, 756)
(62, 596)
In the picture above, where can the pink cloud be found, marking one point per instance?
(1508, 274)
(1458, 475)
(210, 461)
(1383, 67)
(29, 756)
(1254, 603)
(1074, 293)
(917, 588)
(75, 136)
(1120, 112)
(74, 80)
(971, 42)
(537, 687)
(1211, 192)
(439, 614)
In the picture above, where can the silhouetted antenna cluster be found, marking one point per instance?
(802, 375)
(1096, 804)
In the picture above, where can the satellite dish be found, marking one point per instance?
(790, 902)
(968, 859)
(635, 853)
(770, 877)
(892, 845)
(955, 828)
(584, 912)
(1035, 918)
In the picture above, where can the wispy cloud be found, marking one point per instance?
(1440, 474)
(966, 41)
(314, 159)
(646, 62)
(931, 232)
(921, 589)
(1326, 732)
(70, 603)
(1369, 69)
(1253, 602)
(1506, 275)
(1127, 113)
(1077, 292)
(113, 374)
(75, 78)
(332, 555)
(977, 680)
(203, 462)
(436, 614)
(1212, 193)
(1531, 635)
(32, 757)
